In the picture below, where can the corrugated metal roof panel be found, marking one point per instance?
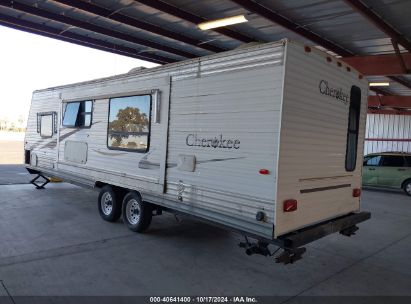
(396, 88)
(334, 20)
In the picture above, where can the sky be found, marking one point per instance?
(30, 62)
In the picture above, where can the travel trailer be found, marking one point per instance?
(265, 140)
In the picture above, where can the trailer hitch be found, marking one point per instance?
(255, 248)
(288, 256)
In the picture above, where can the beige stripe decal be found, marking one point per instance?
(325, 177)
(325, 188)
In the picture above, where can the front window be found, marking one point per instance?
(78, 114)
(353, 128)
(129, 123)
(372, 160)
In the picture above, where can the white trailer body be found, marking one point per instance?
(236, 138)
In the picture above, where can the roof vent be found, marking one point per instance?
(249, 44)
(133, 70)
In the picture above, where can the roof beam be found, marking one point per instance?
(380, 91)
(116, 16)
(395, 36)
(389, 112)
(263, 11)
(296, 28)
(400, 57)
(179, 13)
(379, 65)
(389, 139)
(46, 31)
(390, 101)
(91, 27)
(401, 80)
(369, 14)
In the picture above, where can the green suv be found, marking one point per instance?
(388, 169)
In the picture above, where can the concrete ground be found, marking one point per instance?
(14, 174)
(53, 242)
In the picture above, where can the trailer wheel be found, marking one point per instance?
(109, 204)
(407, 187)
(136, 213)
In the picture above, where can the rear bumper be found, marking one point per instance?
(309, 234)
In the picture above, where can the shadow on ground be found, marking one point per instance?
(14, 174)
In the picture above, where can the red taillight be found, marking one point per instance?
(290, 205)
(356, 192)
(264, 171)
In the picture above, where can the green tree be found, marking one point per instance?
(128, 120)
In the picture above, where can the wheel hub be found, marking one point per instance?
(106, 203)
(133, 212)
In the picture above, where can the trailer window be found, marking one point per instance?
(78, 114)
(129, 123)
(46, 124)
(353, 128)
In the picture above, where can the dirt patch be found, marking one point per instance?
(11, 152)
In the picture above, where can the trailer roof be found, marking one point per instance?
(166, 31)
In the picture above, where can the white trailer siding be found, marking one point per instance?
(314, 141)
(242, 106)
(46, 153)
(387, 133)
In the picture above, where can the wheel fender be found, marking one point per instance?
(405, 182)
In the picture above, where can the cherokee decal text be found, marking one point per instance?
(193, 140)
(338, 94)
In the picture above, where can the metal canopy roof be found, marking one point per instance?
(166, 31)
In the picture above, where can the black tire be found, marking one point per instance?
(407, 187)
(109, 204)
(136, 213)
